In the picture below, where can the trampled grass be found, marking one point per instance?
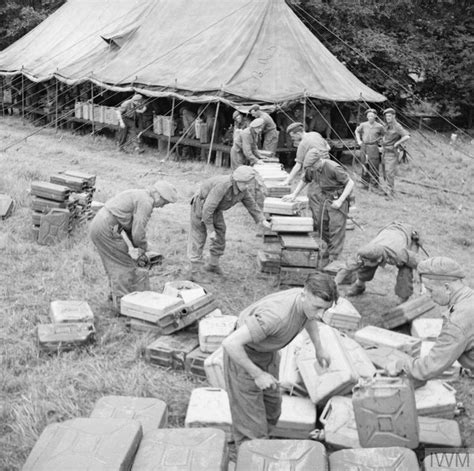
(37, 389)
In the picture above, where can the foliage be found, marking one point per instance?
(382, 42)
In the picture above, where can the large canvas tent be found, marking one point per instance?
(230, 50)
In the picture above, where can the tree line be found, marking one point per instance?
(418, 53)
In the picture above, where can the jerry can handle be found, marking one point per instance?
(213, 389)
(326, 412)
(448, 387)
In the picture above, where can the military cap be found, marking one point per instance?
(440, 268)
(389, 110)
(167, 191)
(295, 127)
(371, 252)
(256, 123)
(244, 173)
(137, 97)
(254, 108)
(235, 114)
(370, 110)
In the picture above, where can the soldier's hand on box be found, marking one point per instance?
(324, 359)
(266, 224)
(266, 381)
(290, 197)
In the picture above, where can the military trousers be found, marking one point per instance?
(270, 141)
(254, 412)
(390, 162)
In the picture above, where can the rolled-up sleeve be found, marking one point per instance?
(262, 324)
(141, 217)
(448, 348)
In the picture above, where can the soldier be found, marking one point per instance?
(311, 147)
(244, 151)
(216, 195)
(128, 211)
(328, 197)
(369, 137)
(269, 130)
(396, 244)
(442, 278)
(127, 115)
(251, 352)
(393, 137)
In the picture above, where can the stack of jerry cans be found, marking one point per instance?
(214, 368)
(343, 316)
(338, 378)
(83, 444)
(372, 336)
(436, 399)
(407, 311)
(297, 419)
(209, 407)
(170, 351)
(299, 258)
(150, 412)
(213, 330)
(298, 455)
(198, 449)
(385, 412)
(389, 458)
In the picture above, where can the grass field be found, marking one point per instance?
(37, 389)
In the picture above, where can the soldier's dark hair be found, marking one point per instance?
(323, 286)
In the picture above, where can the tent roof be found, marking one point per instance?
(254, 50)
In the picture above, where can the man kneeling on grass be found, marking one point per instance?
(442, 279)
(251, 352)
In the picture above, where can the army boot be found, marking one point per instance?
(213, 266)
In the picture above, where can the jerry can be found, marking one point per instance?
(50, 191)
(63, 337)
(268, 262)
(459, 460)
(338, 420)
(292, 224)
(54, 226)
(436, 399)
(294, 455)
(214, 368)
(186, 290)
(297, 419)
(342, 316)
(150, 412)
(322, 383)
(377, 459)
(70, 311)
(194, 363)
(198, 449)
(381, 357)
(371, 336)
(6, 206)
(408, 311)
(213, 330)
(439, 432)
(101, 444)
(278, 206)
(288, 374)
(361, 363)
(450, 373)
(209, 407)
(426, 329)
(148, 305)
(170, 351)
(385, 412)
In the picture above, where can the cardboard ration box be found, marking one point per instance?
(108, 444)
(152, 413)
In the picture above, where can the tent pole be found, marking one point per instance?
(213, 132)
(22, 97)
(92, 108)
(57, 97)
(304, 110)
(170, 129)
